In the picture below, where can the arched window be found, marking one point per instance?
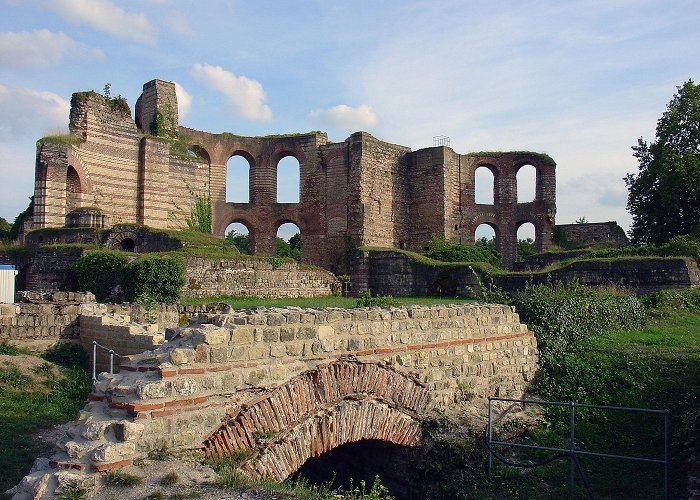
(526, 241)
(237, 180)
(485, 234)
(73, 189)
(483, 186)
(288, 180)
(289, 241)
(526, 178)
(238, 235)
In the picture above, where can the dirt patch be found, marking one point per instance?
(25, 371)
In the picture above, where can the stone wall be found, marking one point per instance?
(592, 233)
(393, 273)
(255, 278)
(297, 375)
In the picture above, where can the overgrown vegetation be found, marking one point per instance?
(367, 300)
(316, 302)
(36, 399)
(200, 218)
(154, 277)
(98, 272)
(443, 250)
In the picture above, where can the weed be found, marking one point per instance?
(367, 300)
(8, 349)
(73, 493)
(45, 369)
(161, 454)
(170, 479)
(13, 377)
(156, 495)
(121, 478)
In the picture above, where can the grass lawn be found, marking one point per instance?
(654, 367)
(34, 395)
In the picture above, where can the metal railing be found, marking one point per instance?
(571, 452)
(111, 353)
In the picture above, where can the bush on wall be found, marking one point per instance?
(444, 250)
(98, 272)
(156, 278)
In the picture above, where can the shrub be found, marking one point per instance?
(367, 300)
(447, 251)
(563, 315)
(156, 277)
(98, 272)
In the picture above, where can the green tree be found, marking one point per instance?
(19, 220)
(664, 197)
(238, 240)
(295, 241)
(284, 249)
(4, 229)
(525, 248)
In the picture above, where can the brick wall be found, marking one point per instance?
(277, 370)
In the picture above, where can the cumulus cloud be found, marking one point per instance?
(105, 16)
(346, 117)
(184, 101)
(245, 96)
(28, 112)
(39, 49)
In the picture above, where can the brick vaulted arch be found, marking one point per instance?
(321, 409)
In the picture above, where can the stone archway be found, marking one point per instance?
(339, 403)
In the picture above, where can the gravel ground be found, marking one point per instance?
(194, 480)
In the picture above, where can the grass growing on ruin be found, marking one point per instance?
(316, 302)
(31, 400)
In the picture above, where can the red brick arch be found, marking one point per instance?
(321, 409)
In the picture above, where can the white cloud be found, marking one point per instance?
(39, 49)
(345, 117)
(245, 96)
(105, 16)
(184, 101)
(29, 112)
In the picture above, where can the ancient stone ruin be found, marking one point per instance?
(363, 191)
(286, 384)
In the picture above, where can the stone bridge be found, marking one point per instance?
(284, 385)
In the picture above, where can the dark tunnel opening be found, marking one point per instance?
(349, 464)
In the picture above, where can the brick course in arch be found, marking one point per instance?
(319, 410)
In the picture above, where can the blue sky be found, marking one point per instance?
(579, 80)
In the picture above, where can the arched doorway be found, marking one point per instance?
(526, 180)
(288, 241)
(526, 236)
(237, 235)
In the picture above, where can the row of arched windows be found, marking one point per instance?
(238, 180)
(525, 179)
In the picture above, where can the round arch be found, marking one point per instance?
(288, 177)
(197, 150)
(485, 184)
(343, 402)
(526, 182)
(251, 231)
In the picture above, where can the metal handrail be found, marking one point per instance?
(571, 450)
(111, 352)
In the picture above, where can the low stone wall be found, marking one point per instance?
(117, 333)
(641, 276)
(229, 381)
(42, 319)
(255, 278)
(393, 273)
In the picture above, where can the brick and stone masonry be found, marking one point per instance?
(290, 383)
(362, 191)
